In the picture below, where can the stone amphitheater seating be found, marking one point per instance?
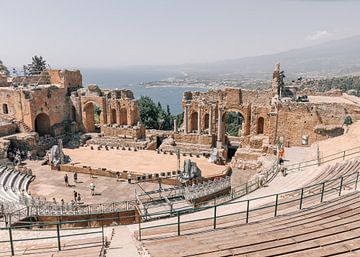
(328, 229)
(86, 245)
(234, 237)
(12, 184)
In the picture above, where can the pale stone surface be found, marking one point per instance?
(142, 161)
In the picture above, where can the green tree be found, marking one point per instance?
(149, 112)
(4, 69)
(37, 65)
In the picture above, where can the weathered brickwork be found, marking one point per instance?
(54, 102)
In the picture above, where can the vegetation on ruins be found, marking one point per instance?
(37, 65)
(4, 69)
(234, 122)
(344, 83)
(154, 116)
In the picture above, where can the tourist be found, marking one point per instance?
(62, 202)
(129, 177)
(54, 200)
(66, 180)
(78, 198)
(29, 155)
(75, 195)
(282, 167)
(75, 177)
(92, 188)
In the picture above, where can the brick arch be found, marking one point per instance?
(113, 116)
(88, 116)
(260, 125)
(194, 116)
(245, 119)
(206, 121)
(42, 124)
(123, 116)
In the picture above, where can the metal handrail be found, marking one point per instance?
(323, 190)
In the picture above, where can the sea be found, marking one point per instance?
(132, 79)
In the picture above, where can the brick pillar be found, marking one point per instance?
(186, 119)
(210, 119)
(219, 132)
(199, 120)
(175, 126)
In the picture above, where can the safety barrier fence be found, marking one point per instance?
(343, 155)
(255, 209)
(57, 233)
(251, 210)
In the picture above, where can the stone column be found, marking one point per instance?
(199, 120)
(175, 126)
(219, 132)
(186, 119)
(210, 119)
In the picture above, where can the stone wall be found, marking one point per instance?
(7, 128)
(298, 119)
(133, 132)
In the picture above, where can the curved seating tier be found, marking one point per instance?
(13, 185)
(327, 229)
(262, 201)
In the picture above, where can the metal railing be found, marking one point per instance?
(259, 208)
(343, 155)
(58, 236)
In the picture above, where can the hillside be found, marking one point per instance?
(340, 57)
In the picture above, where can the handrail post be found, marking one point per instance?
(178, 223)
(139, 226)
(344, 155)
(299, 166)
(11, 242)
(215, 217)
(322, 192)
(102, 232)
(356, 182)
(247, 211)
(341, 185)
(276, 204)
(246, 189)
(58, 236)
(301, 198)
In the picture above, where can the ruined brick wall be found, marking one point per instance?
(136, 132)
(298, 119)
(7, 128)
(66, 78)
(206, 106)
(3, 81)
(116, 107)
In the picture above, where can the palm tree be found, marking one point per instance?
(37, 65)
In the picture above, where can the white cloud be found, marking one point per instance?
(318, 35)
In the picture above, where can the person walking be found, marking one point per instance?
(92, 188)
(66, 180)
(75, 177)
(75, 195)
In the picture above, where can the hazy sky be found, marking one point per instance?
(86, 33)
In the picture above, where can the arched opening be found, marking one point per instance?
(113, 116)
(91, 117)
(194, 121)
(260, 126)
(73, 113)
(5, 109)
(123, 116)
(206, 121)
(234, 124)
(42, 124)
